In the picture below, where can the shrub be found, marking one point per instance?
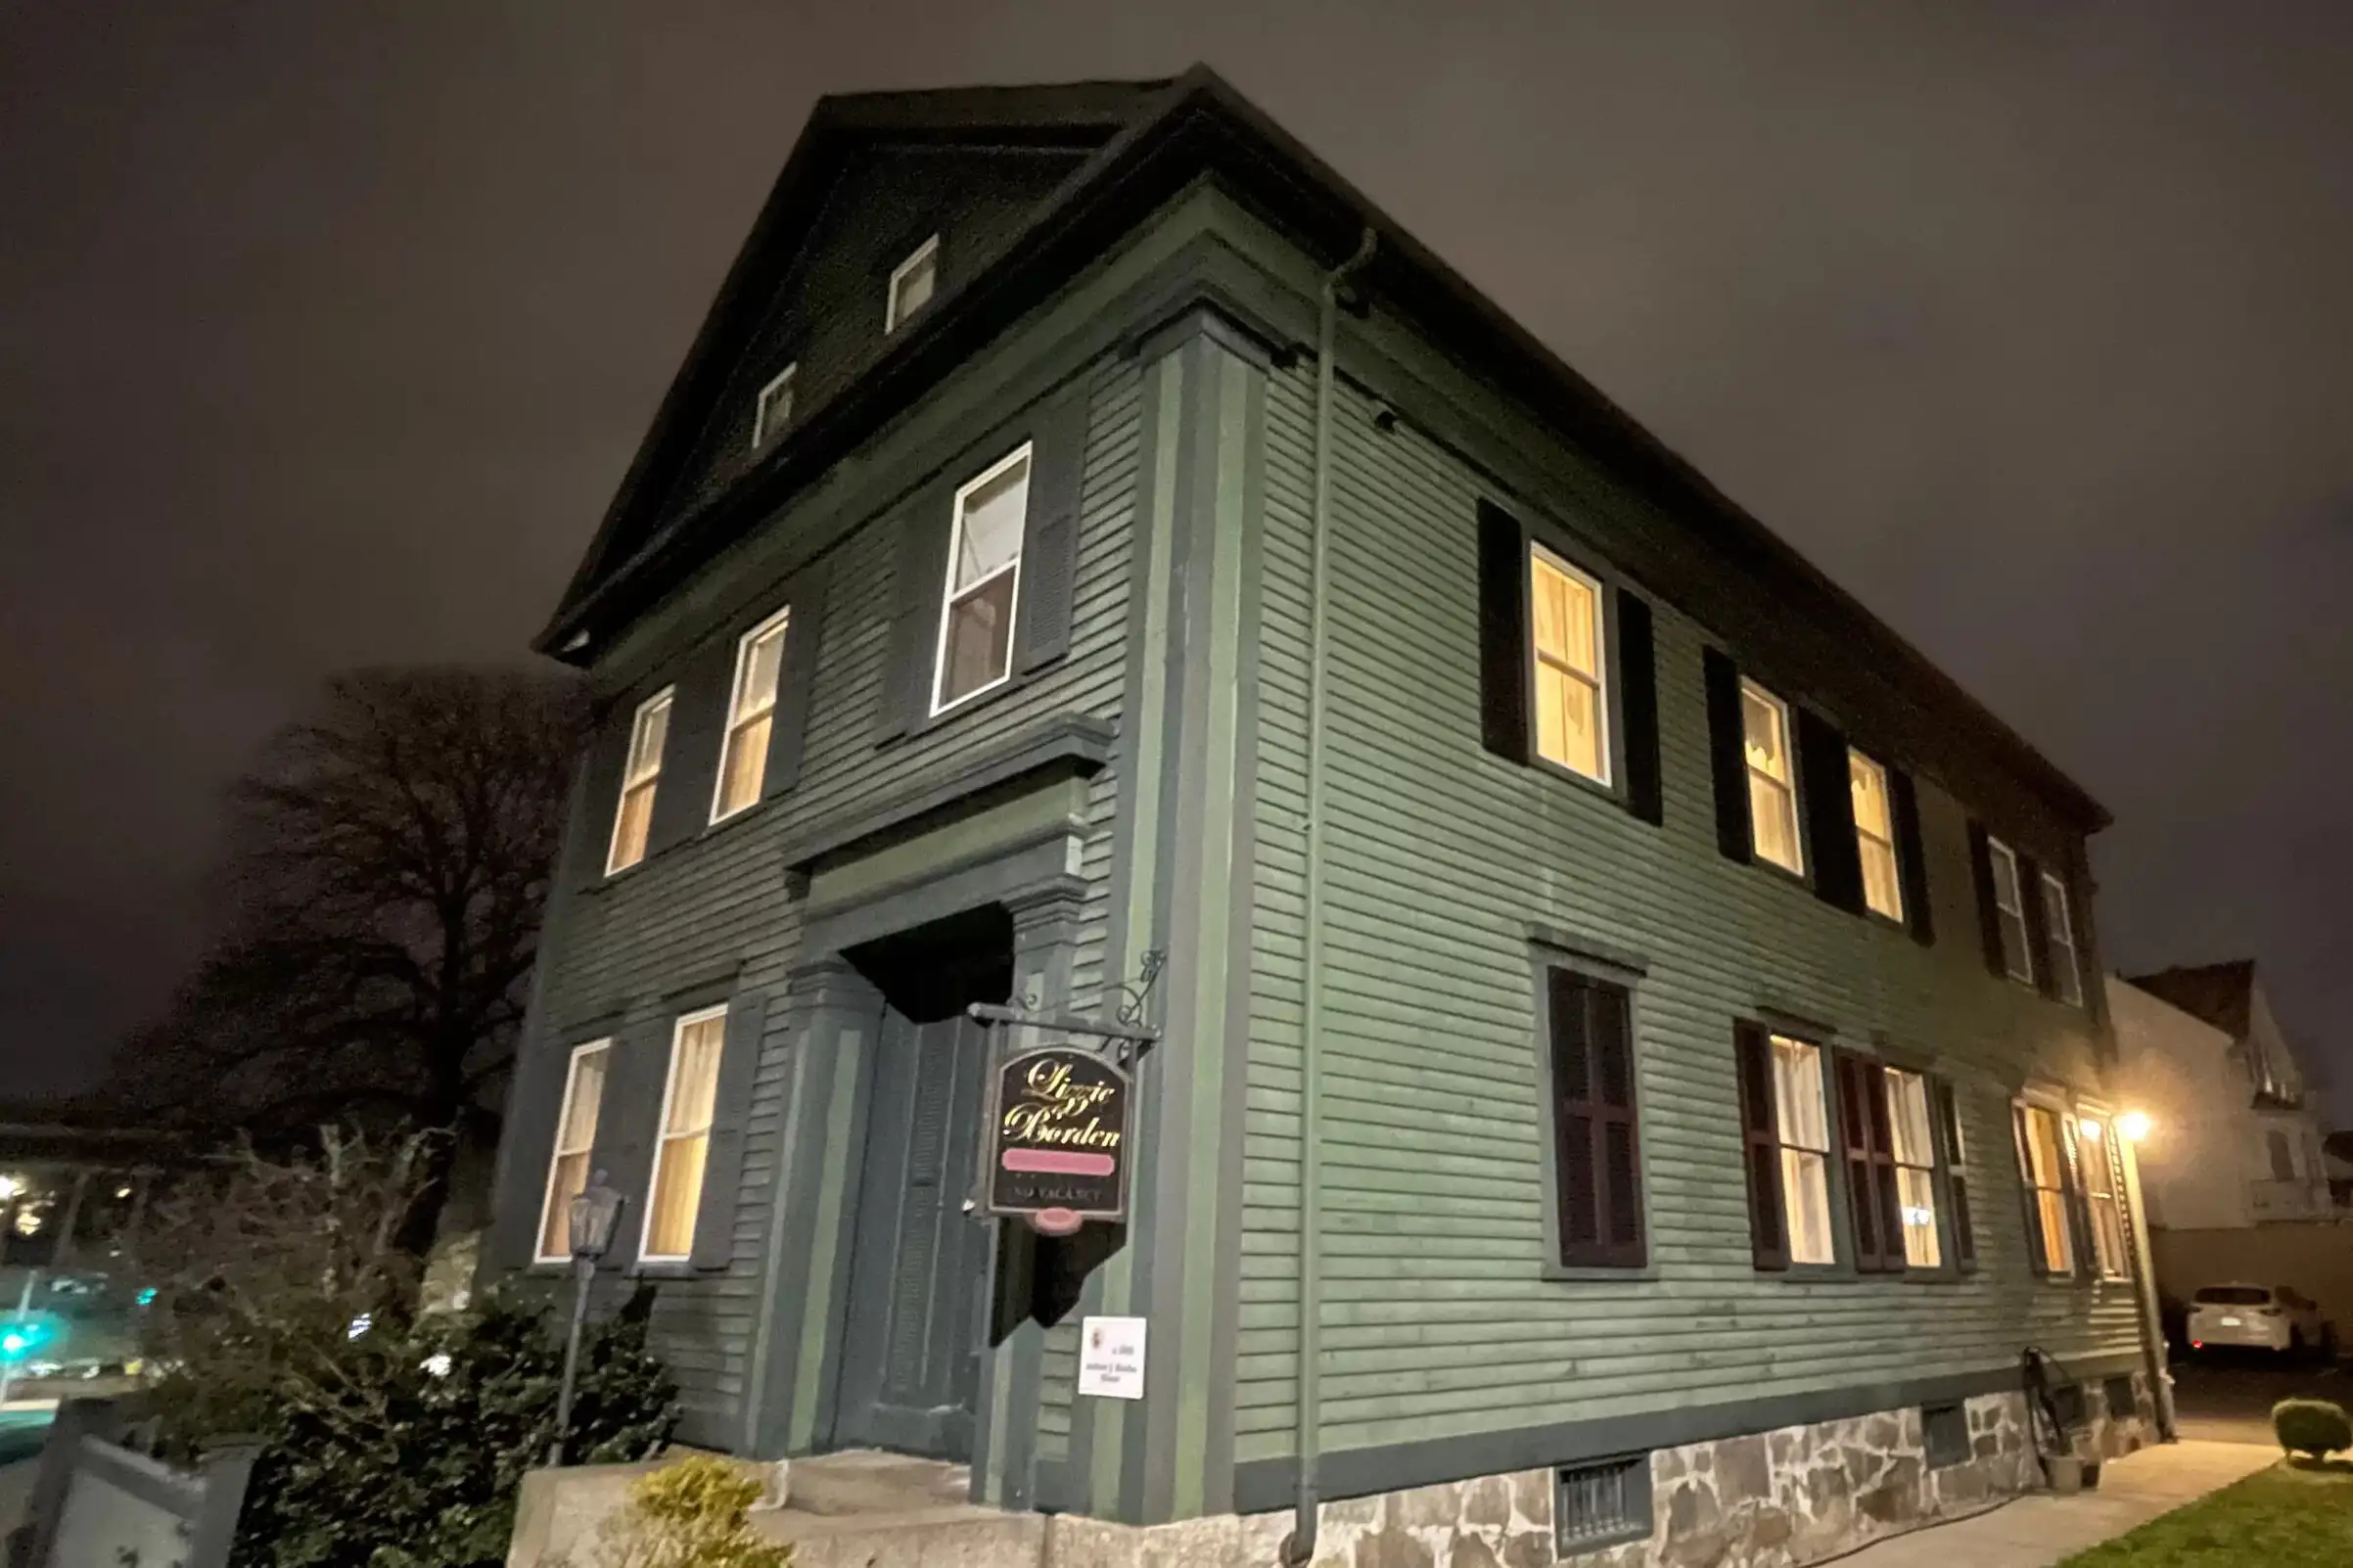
(2312, 1426)
(691, 1514)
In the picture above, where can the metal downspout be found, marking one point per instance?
(1298, 1547)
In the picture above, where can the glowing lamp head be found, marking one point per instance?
(2133, 1124)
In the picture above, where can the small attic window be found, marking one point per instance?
(912, 283)
(774, 408)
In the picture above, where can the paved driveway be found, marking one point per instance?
(2228, 1398)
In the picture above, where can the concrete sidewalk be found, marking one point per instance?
(2039, 1529)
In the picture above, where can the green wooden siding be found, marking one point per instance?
(720, 899)
(1437, 1319)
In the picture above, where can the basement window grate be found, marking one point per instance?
(1602, 1502)
(1945, 1434)
(2123, 1400)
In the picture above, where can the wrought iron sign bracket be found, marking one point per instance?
(1125, 1042)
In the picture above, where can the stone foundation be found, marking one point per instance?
(1771, 1499)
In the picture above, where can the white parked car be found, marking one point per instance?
(2257, 1318)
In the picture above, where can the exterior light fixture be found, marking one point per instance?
(592, 1216)
(2133, 1124)
(10, 1186)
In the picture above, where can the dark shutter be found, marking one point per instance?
(1049, 546)
(1828, 795)
(1504, 652)
(2034, 1209)
(796, 683)
(1761, 1146)
(690, 753)
(1598, 1147)
(525, 1145)
(918, 591)
(1728, 762)
(1956, 1178)
(724, 1158)
(2037, 925)
(1870, 1172)
(590, 840)
(1989, 914)
(1637, 707)
(1911, 859)
(634, 1076)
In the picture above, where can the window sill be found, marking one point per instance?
(661, 1268)
(1545, 766)
(1594, 1274)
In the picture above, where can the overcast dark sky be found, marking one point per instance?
(327, 330)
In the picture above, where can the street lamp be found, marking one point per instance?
(2133, 1124)
(590, 1218)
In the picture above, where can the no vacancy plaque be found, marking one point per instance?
(1057, 1144)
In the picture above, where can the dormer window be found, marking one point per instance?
(774, 408)
(912, 283)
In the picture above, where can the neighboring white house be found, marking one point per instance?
(2231, 1169)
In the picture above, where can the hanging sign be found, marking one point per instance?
(1058, 1142)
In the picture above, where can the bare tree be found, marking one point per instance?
(388, 860)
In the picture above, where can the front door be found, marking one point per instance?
(919, 1269)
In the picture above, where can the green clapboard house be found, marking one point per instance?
(1631, 1057)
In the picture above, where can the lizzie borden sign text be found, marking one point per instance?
(1057, 1145)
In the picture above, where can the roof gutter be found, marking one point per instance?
(1298, 1547)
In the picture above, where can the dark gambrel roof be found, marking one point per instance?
(2223, 994)
(1150, 140)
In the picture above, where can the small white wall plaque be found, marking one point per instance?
(1111, 1358)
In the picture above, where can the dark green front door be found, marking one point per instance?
(919, 1269)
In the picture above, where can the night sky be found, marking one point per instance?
(327, 330)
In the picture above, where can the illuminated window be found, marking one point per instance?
(1915, 1149)
(2099, 1193)
(751, 712)
(1804, 1134)
(1772, 786)
(2067, 974)
(912, 283)
(634, 817)
(2010, 912)
(1572, 720)
(1876, 836)
(2043, 1163)
(687, 1102)
(575, 1140)
(773, 410)
(983, 583)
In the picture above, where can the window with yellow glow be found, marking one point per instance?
(1876, 836)
(2043, 1160)
(751, 712)
(687, 1102)
(1805, 1132)
(2093, 1147)
(1914, 1151)
(1772, 783)
(633, 819)
(1572, 712)
(575, 1141)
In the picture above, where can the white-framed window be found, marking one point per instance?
(1876, 836)
(750, 715)
(633, 815)
(2094, 1135)
(1804, 1115)
(1571, 689)
(984, 583)
(688, 1097)
(576, 1142)
(912, 283)
(2067, 972)
(1913, 1144)
(772, 410)
(1772, 778)
(2009, 912)
(2043, 1163)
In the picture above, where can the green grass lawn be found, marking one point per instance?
(2284, 1517)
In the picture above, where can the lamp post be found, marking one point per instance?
(590, 1218)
